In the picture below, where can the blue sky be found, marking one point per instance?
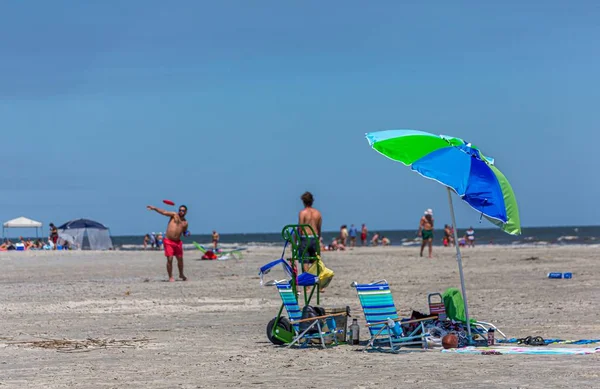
(235, 108)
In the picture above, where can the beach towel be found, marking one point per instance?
(525, 350)
(553, 341)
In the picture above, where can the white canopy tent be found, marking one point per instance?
(22, 222)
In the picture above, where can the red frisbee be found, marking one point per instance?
(168, 202)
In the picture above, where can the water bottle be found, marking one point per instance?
(490, 337)
(394, 327)
(554, 275)
(354, 332)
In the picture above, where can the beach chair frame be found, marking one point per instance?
(291, 233)
(377, 310)
(478, 327)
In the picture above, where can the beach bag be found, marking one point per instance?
(325, 275)
(307, 312)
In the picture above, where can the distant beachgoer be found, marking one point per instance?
(353, 232)
(426, 231)
(153, 240)
(159, 240)
(308, 243)
(385, 241)
(146, 241)
(343, 235)
(53, 235)
(215, 239)
(363, 235)
(471, 237)
(375, 239)
(448, 236)
(177, 226)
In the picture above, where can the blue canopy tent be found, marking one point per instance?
(74, 232)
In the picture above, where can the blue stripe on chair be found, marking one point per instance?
(362, 288)
(290, 302)
(379, 306)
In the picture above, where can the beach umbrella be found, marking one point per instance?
(462, 168)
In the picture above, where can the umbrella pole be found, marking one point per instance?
(460, 269)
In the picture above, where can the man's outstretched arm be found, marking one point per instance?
(161, 211)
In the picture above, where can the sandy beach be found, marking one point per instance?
(210, 330)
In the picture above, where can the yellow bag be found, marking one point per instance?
(325, 275)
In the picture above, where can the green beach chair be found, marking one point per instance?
(235, 254)
(378, 306)
(455, 310)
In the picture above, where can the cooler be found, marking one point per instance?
(341, 321)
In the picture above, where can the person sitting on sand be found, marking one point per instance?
(375, 239)
(426, 231)
(323, 246)
(38, 244)
(385, 241)
(337, 245)
(4, 246)
(177, 226)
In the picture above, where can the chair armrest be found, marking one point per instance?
(403, 322)
(318, 317)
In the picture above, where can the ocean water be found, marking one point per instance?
(530, 236)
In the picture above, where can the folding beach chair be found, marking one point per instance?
(235, 254)
(378, 306)
(314, 328)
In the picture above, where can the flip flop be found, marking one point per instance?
(537, 341)
(524, 340)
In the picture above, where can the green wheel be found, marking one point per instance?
(283, 324)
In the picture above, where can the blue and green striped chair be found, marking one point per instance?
(305, 333)
(378, 306)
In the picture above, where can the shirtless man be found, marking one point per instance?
(172, 242)
(312, 217)
(426, 231)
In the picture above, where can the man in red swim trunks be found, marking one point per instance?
(363, 234)
(172, 242)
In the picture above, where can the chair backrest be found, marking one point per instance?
(200, 247)
(377, 304)
(290, 302)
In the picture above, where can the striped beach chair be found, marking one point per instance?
(378, 306)
(315, 329)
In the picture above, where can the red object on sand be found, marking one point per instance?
(168, 202)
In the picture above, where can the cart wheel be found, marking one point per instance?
(283, 323)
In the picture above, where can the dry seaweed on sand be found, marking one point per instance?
(89, 344)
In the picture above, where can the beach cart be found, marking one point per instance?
(296, 327)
